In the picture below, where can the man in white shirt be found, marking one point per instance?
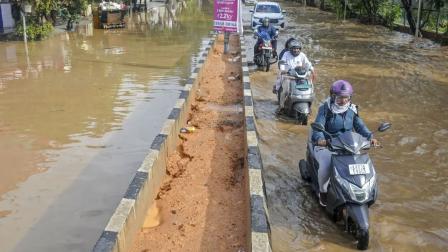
(294, 58)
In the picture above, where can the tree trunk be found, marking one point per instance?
(69, 26)
(407, 5)
(342, 3)
(311, 3)
(322, 4)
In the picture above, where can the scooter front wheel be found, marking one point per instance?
(304, 171)
(304, 119)
(301, 118)
(268, 65)
(363, 239)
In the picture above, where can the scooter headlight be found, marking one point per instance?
(356, 193)
(359, 194)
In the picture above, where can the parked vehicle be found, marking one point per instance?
(296, 94)
(109, 15)
(264, 57)
(352, 188)
(271, 10)
(250, 2)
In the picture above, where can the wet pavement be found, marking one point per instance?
(396, 79)
(77, 116)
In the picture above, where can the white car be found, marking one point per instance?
(271, 10)
(250, 2)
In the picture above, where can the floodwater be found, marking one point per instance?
(396, 80)
(77, 116)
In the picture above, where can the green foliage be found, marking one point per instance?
(44, 7)
(71, 10)
(441, 27)
(390, 12)
(35, 31)
(336, 6)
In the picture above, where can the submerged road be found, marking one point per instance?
(395, 79)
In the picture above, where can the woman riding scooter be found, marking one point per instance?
(337, 115)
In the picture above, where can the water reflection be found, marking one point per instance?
(89, 102)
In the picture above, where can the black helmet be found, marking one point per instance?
(295, 45)
(265, 21)
(288, 42)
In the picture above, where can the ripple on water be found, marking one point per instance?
(407, 140)
(421, 149)
(441, 133)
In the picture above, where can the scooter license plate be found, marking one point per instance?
(357, 169)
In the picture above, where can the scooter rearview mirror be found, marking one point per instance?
(384, 126)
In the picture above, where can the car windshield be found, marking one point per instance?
(267, 9)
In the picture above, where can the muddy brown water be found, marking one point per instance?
(396, 79)
(77, 116)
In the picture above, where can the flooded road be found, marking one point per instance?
(394, 80)
(77, 116)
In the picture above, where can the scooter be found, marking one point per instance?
(296, 94)
(263, 57)
(352, 188)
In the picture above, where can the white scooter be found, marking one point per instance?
(296, 93)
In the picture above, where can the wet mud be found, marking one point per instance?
(201, 204)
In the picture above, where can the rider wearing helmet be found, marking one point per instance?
(337, 114)
(287, 46)
(295, 47)
(294, 58)
(269, 29)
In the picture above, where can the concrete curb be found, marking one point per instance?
(124, 224)
(260, 230)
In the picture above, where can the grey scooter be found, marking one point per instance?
(296, 93)
(352, 188)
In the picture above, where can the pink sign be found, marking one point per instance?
(226, 15)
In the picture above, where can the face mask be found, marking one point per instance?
(337, 109)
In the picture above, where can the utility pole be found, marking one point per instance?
(26, 9)
(345, 8)
(417, 25)
(226, 41)
(24, 26)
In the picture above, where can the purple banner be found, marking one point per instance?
(226, 15)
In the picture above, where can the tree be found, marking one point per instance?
(371, 9)
(428, 4)
(71, 11)
(46, 9)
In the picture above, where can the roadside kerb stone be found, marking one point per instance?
(260, 230)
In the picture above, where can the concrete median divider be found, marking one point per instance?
(130, 213)
(119, 234)
(260, 230)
